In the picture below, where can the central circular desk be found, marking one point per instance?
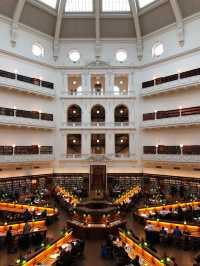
(95, 219)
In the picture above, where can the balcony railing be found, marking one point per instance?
(172, 121)
(106, 93)
(114, 156)
(173, 82)
(16, 117)
(172, 158)
(26, 158)
(176, 117)
(98, 125)
(27, 84)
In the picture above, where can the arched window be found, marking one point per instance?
(98, 114)
(74, 114)
(121, 114)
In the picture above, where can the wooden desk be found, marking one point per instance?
(46, 256)
(67, 195)
(149, 258)
(125, 197)
(145, 212)
(157, 226)
(17, 229)
(20, 208)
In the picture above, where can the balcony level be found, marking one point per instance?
(177, 81)
(26, 158)
(177, 154)
(171, 158)
(24, 118)
(172, 118)
(15, 154)
(12, 81)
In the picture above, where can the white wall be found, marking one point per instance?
(174, 58)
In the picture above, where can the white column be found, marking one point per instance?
(64, 113)
(86, 84)
(130, 82)
(86, 143)
(64, 82)
(63, 144)
(110, 114)
(109, 81)
(110, 144)
(131, 143)
(86, 115)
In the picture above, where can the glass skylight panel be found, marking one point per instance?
(51, 3)
(143, 3)
(78, 6)
(115, 6)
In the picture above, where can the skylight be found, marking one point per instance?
(51, 3)
(78, 6)
(115, 6)
(143, 3)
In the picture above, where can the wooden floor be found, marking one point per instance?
(92, 247)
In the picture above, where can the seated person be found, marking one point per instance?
(27, 215)
(44, 214)
(177, 232)
(9, 238)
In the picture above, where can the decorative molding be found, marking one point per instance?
(16, 18)
(179, 21)
(139, 41)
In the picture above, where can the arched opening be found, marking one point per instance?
(122, 145)
(98, 115)
(74, 115)
(121, 115)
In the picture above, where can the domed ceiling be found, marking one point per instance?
(98, 19)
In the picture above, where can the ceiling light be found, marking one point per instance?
(121, 140)
(121, 55)
(74, 56)
(98, 82)
(74, 141)
(98, 140)
(74, 111)
(74, 82)
(98, 111)
(121, 111)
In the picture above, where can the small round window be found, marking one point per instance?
(74, 56)
(37, 50)
(157, 49)
(121, 55)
